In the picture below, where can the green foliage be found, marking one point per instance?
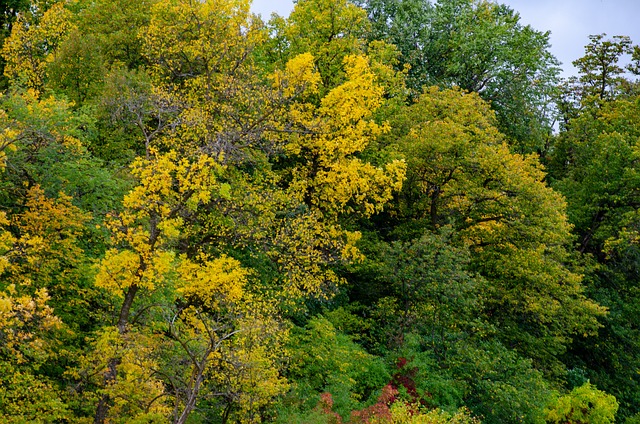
(633, 420)
(508, 63)
(47, 149)
(594, 165)
(503, 386)
(436, 294)
(461, 172)
(112, 29)
(77, 69)
(27, 397)
(204, 218)
(324, 360)
(583, 404)
(436, 383)
(492, 381)
(600, 73)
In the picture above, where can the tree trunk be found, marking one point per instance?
(110, 376)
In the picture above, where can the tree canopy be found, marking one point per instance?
(360, 213)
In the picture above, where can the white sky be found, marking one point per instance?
(570, 21)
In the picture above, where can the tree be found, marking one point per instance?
(53, 189)
(102, 41)
(600, 73)
(479, 46)
(332, 30)
(32, 45)
(187, 196)
(602, 77)
(595, 167)
(148, 224)
(583, 404)
(461, 172)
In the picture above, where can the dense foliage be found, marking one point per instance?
(360, 213)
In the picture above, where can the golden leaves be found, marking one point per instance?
(121, 269)
(47, 246)
(24, 321)
(193, 39)
(7, 241)
(334, 178)
(168, 185)
(299, 77)
(355, 100)
(7, 138)
(168, 181)
(31, 46)
(213, 281)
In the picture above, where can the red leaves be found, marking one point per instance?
(402, 381)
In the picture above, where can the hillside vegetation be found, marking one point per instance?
(386, 211)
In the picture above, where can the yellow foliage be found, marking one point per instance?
(246, 367)
(168, 185)
(330, 30)
(47, 246)
(31, 46)
(167, 182)
(212, 282)
(299, 77)
(137, 391)
(24, 321)
(199, 39)
(7, 241)
(7, 138)
(404, 413)
(121, 269)
(203, 51)
(330, 176)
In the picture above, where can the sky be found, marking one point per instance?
(570, 21)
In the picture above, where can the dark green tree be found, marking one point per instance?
(478, 46)
(601, 76)
(594, 164)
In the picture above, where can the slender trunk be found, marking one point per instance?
(110, 375)
(227, 412)
(125, 310)
(191, 403)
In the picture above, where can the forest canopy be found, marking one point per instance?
(377, 211)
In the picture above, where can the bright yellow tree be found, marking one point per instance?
(32, 45)
(327, 139)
